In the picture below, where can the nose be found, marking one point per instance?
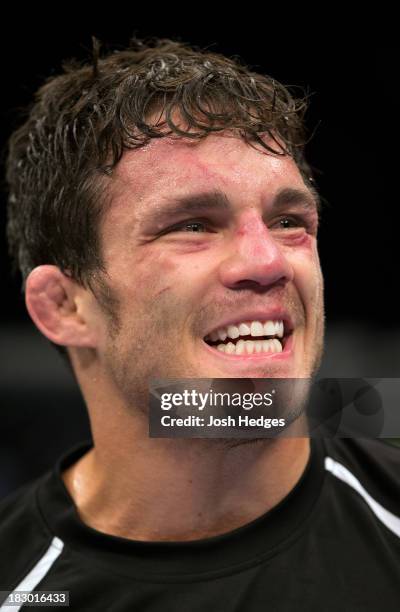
(255, 257)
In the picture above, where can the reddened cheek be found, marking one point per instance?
(296, 240)
(307, 272)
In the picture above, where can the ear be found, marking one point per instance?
(54, 304)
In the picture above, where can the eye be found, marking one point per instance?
(195, 225)
(192, 227)
(290, 222)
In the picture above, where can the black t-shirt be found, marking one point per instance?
(333, 543)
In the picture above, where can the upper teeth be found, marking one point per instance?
(248, 328)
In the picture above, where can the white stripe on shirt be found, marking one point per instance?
(37, 573)
(391, 521)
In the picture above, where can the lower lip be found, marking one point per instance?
(286, 353)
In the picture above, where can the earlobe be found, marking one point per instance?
(50, 301)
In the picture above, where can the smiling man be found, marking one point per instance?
(165, 223)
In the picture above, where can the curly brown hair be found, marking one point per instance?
(60, 159)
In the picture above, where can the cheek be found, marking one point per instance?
(163, 273)
(159, 290)
(145, 278)
(308, 275)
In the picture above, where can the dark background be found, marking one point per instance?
(353, 109)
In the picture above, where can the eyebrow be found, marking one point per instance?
(217, 200)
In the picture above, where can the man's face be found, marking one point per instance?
(243, 252)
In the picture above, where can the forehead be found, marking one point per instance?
(178, 166)
(170, 167)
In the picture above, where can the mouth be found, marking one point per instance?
(252, 338)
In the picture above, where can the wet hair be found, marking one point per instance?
(60, 160)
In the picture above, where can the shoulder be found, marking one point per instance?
(24, 535)
(18, 501)
(356, 450)
(370, 467)
(19, 512)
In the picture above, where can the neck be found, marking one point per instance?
(141, 488)
(174, 490)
